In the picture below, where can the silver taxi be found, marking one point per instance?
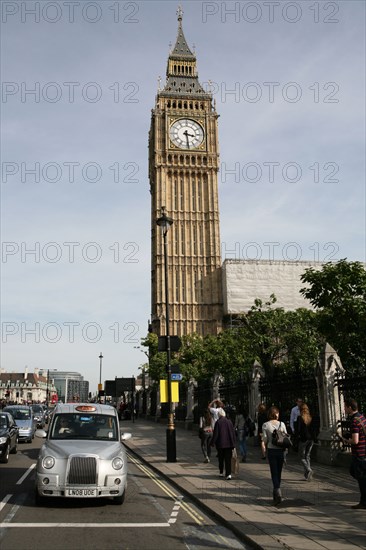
(83, 456)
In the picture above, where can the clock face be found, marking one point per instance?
(186, 133)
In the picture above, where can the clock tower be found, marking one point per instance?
(183, 168)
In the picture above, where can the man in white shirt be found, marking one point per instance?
(295, 413)
(215, 407)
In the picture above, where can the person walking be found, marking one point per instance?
(243, 424)
(224, 439)
(294, 415)
(357, 439)
(306, 439)
(206, 433)
(214, 407)
(261, 419)
(275, 454)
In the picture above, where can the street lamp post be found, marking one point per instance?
(100, 376)
(171, 454)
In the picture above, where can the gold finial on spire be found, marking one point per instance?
(180, 13)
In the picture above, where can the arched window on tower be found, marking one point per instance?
(175, 193)
(181, 194)
(193, 192)
(199, 193)
(183, 286)
(194, 230)
(177, 285)
(182, 240)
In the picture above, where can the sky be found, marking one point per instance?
(79, 80)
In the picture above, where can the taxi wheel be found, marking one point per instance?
(40, 501)
(120, 499)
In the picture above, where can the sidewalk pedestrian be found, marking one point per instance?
(294, 415)
(206, 433)
(357, 439)
(306, 439)
(243, 425)
(275, 454)
(214, 407)
(224, 439)
(261, 419)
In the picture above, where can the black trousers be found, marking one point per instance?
(225, 458)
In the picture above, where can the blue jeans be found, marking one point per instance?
(242, 442)
(275, 459)
(206, 444)
(304, 453)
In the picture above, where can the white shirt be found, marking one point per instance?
(295, 413)
(215, 415)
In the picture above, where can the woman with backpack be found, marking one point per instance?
(275, 454)
(305, 439)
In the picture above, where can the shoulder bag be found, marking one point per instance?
(280, 439)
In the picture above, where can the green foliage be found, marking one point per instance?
(338, 292)
(157, 361)
(275, 338)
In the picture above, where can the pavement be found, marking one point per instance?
(314, 515)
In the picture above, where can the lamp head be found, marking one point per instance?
(164, 222)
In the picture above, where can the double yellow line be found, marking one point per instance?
(167, 490)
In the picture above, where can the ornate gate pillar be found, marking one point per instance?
(331, 404)
(192, 384)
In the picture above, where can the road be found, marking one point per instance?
(153, 516)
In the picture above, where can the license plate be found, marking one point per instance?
(82, 493)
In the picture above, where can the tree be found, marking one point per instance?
(338, 291)
(279, 339)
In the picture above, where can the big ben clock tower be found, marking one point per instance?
(183, 167)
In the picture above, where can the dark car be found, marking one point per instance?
(24, 419)
(39, 415)
(8, 436)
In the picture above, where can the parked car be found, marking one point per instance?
(8, 436)
(83, 455)
(24, 419)
(39, 415)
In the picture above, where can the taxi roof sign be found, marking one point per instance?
(86, 408)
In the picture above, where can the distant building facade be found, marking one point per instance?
(26, 387)
(70, 386)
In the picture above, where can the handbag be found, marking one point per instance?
(234, 462)
(281, 439)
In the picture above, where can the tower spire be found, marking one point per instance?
(182, 77)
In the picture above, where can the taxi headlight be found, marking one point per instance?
(48, 462)
(117, 463)
(3, 440)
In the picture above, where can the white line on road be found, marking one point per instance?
(20, 481)
(82, 525)
(4, 501)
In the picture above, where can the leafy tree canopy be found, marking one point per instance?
(338, 291)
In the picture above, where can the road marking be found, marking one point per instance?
(20, 481)
(4, 501)
(187, 507)
(81, 525)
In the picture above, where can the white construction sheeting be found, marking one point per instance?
(246, 280)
